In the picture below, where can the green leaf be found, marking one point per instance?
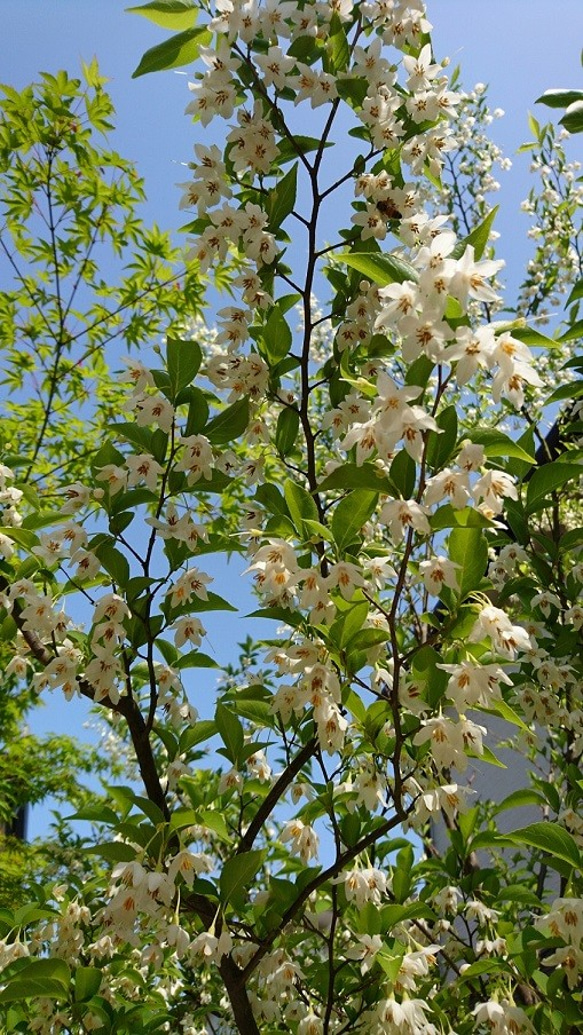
(140, 437)
(402, 874)
(451, 517)
(195, 659)
(300, 503)
(301, 145)
(113, 851)
(228, 424)
(467, 547)
(380, 268)
(558, 98)
(337, 49)
(350, 514)
(114, 563)
(530, 336)
(441, 445)
(550, 838)
(19, 989)
(214, 821)
(198, 411)
(574, 332)
(572, 120)
(576, 293)
(547, 479)
(197, 734)
(356, 476)
(286, 433)
(181, 49)
(276, 335)
(367, 638)
(572, 390)
(478, 238)
(42, 977)
(87, 983)
(96, 814)
(183, 359)
(519, 799)
(496, 443)
(238, 873)
(403, 474)
(169, 14)
(231, 732)
(270, 497)
(282, 198)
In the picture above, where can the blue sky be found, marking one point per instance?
(519, 47)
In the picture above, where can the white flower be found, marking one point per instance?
(304, 840)
(190, 629)
(316, 87)
(153, 409)
(362, 886)
(401, 515)
(437, 573)
(506, 638)
(143, 468)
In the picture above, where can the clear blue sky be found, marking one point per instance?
(519, 47)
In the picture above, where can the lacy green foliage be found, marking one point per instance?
(68, 205)
(69, 209)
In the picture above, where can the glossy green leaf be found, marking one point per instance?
(276, 336)
(282, 198)
(572, 390)
(546, 480)
(87, 983)
(19, 989)
(214, 821)
(229, 424)
(574, 333)
(197, 734)
(576, 292)
(403, 474)
(300, 504)
(519, 799)
(230, 731)
(551, 838)
(478, 238)
(559, 98)
(530, 336)
(114, 563)
(350, 514)
(48, 978)
(365, 639)
(441, 445)
(238, 873)
(270, 497)
(452, 517)
(496, 443)
(98, 813)
(380, 268)
(286, 432)
(183, 359)
(468, 548)
(301, 145)
(356, 476)
(169, 14)
(181, 49)
(337, 49)
(402, 874)
(572, 120)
